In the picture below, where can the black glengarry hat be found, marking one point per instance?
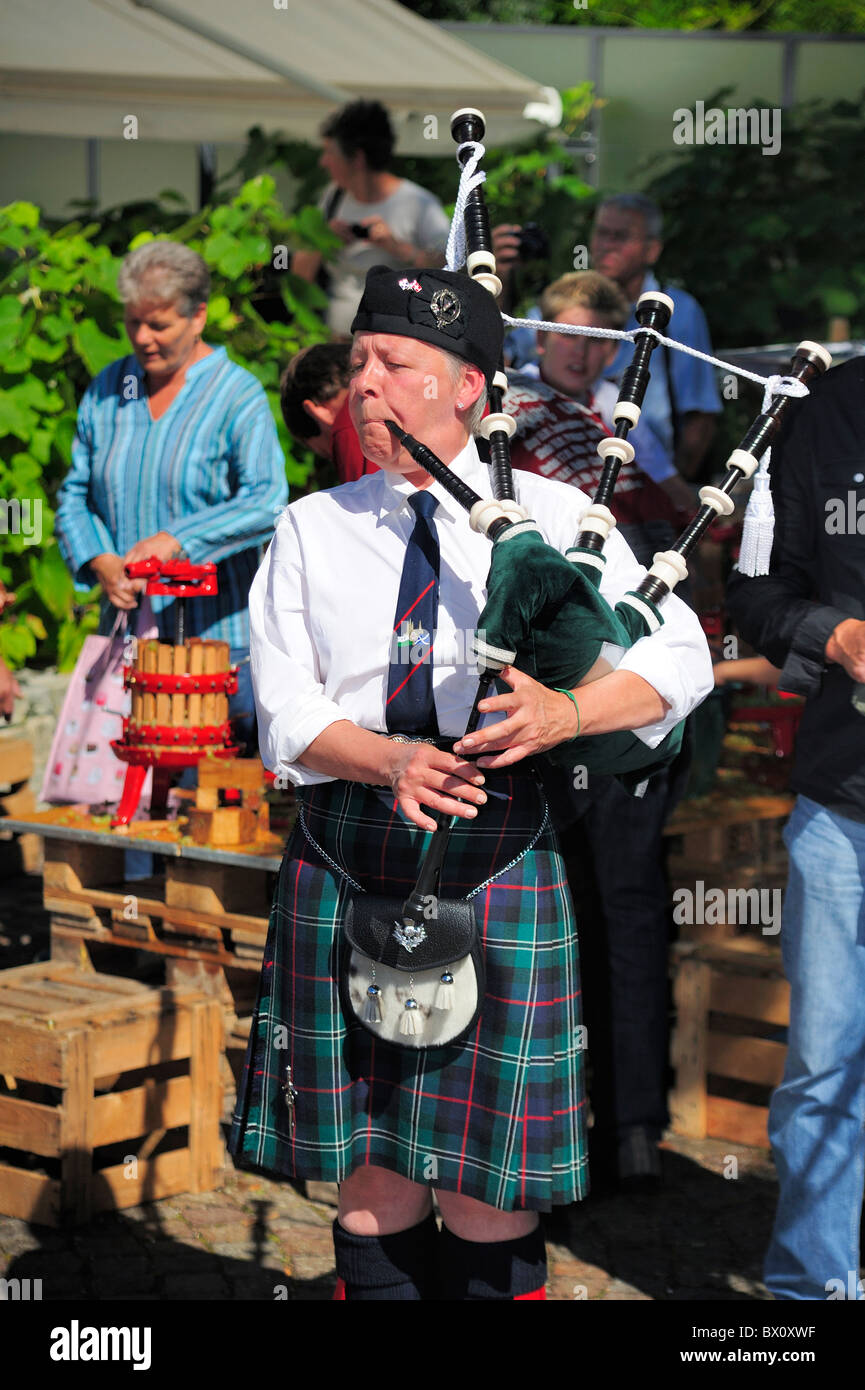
(447, 309)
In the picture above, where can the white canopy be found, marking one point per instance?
(207, 70)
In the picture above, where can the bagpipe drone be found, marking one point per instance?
(544, 612)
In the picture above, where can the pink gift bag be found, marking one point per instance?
(82, 766)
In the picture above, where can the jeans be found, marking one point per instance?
(817, 1113)
(241, 707)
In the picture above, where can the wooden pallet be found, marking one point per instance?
(219, 910)
(732, 1007)
(741, 831)
(110, 1088)
(731, 846)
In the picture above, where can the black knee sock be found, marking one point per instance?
(503, 1269)
(400, 1266)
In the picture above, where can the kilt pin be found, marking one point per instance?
(501, 1116)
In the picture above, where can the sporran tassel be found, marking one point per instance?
(372, 1007)
(411, 1021)
(444, 999)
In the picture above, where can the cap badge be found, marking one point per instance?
(446, 307)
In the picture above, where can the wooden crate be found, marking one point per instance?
(111, 1093)
(16, 760)
(732, 1007)
(186, 919)
(216, 821)
(18, 853)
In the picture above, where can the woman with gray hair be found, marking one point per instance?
(175, 455)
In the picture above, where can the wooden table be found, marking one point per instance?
(205, 914)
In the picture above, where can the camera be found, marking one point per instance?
(534, 243)
(359, 231)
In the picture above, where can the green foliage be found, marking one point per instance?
(773, 246)
(61, 322)
(265, 151)
(827, 17)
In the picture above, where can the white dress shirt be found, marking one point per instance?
(323, 604)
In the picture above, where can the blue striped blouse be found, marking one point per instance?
(210, 471)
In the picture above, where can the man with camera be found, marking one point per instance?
(380, 218)
(682, 399)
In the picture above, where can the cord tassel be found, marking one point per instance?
(411, 1021)
(758, 531)
(444, 999)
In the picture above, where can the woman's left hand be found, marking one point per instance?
(538, 719)
(162, 545)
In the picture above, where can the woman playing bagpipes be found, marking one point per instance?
(361, 620)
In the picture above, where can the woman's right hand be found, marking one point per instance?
(118, 588)
(421, 773)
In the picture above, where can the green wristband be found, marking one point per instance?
(572, 698)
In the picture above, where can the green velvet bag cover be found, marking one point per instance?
(549, 610)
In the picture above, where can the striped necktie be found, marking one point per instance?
(410, 707)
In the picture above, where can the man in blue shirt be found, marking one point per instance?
(682, 398)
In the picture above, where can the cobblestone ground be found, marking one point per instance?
(702, 1237)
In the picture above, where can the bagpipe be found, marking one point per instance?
(544, 612)
(545, 615)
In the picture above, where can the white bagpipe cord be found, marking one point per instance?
(470, 178)
(758, 531)
(759, 524)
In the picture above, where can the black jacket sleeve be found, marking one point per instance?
(780, 614)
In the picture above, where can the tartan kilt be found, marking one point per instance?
(501, 1115)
